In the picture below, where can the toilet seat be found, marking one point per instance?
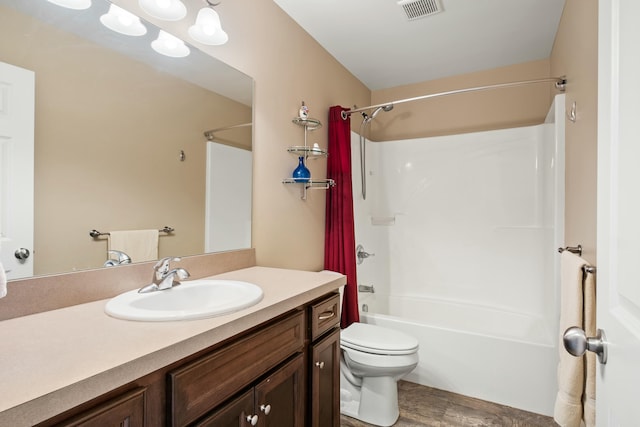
(377, 340)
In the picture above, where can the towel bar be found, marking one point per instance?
(573, 249)
(95, 233)
(578, 251)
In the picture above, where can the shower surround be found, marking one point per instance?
(465, 229)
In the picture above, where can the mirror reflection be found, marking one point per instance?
(118, 143)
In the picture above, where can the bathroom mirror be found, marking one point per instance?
(119, 133)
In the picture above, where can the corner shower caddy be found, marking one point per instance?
(307, 152)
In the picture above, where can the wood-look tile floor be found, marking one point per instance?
(425, 406)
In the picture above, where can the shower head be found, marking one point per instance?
(385, 108)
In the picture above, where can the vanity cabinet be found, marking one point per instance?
(282, 373)
(324, 363)
(202, 385)
(276, 401)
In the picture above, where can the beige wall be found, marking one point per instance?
(575, 54)
(288, 67)
(108, 135)
(467, 112)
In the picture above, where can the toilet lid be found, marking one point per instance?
(376, 339)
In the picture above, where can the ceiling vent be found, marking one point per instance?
(416, 9)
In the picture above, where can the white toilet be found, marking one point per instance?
(373, 360)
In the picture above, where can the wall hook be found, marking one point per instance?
(573, 112)
(182, 156)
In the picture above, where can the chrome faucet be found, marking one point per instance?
(121, 258)
(361, 254)
(164, 277)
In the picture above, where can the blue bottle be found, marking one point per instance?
(301, 173)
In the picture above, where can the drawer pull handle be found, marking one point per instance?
(266, 409)
(252, 419)
(326, 315)
(320, 365)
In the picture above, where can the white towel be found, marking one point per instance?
(3, 282)
(568, 405)
(140, 245)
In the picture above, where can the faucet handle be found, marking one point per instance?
(122, 257)
(362, 254)
(164, 262)
(162, 266)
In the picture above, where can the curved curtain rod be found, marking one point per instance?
(209, 134)
(560, 85)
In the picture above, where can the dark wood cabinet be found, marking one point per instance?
(325, 381)
(324, 363)
(283, 373)
(126, 410)
(276, 401)
(200, 386)
(280, 396)
(237, 413)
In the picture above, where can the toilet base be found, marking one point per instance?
(375, 402)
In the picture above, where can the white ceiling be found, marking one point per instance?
(382, 48)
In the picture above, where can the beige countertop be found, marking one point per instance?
(53, 361)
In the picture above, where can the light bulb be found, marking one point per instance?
(168, 10)
(207, 28)
(72, 4)
(169, 45)
(123, 22)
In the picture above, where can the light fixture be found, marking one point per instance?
(207, 29)
(72, 4)
(123, 22)
(168, 10)
(169, 45)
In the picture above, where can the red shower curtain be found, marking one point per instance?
(340, 240)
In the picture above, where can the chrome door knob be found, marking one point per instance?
(576, 343)
(22, 253)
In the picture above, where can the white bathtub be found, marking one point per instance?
(465, 230)
(490, 354)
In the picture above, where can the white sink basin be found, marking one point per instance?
(193, 299)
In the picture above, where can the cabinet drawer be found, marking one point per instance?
(126, 410)
(325, 315)
(201, 385)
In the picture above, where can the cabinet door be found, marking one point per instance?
(237, 413)
(202, 385)
(325, 381)
(280, 398)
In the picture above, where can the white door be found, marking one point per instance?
(17, 100)
(618, 314)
